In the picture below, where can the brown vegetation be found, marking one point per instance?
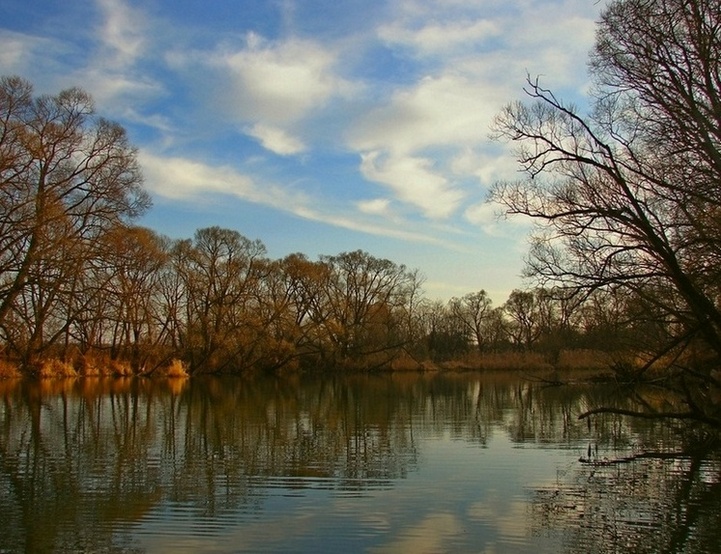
(627, 259)
(8, 370)
(86, 293)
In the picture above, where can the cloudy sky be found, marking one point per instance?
(318, 126)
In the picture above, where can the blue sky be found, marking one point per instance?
(318, 126)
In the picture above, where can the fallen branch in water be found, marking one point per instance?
(694, 416)
(633, 457)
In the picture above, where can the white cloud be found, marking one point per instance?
(491, 218)
(276, 140)
(122, 32)
(274, 83)
(414, 181)
(18, 49)
(447, 109)
(432, 134)
(439, 38)
(109, 87)
(273, 89)
(110, 65)
(415, 143)
(183, 179)
(377, 206)
(484, 215)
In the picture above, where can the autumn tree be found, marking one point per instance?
(220, 270)
(627, 196)
(135, 311)
(67, 176)
(445, 336)
(365, 306)
(524, 325)
(298, 299)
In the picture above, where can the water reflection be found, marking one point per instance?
(648, 502)
(440, 462)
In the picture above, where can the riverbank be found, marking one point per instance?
(565, 360)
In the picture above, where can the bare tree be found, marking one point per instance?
(366, 303)
(525, 318)
(137, 257)
(628, 195)
(66, 177)
(472, 311)
(220, 271)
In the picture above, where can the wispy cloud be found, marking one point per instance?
(374, 120)
(19, 50)
(179, 178)
(427, 39)
(377, 206)
(268, 82)
(122, 32)
(414, 142)
(112, 66)
(276, 140)
(414, 181)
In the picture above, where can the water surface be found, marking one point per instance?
(392, 463)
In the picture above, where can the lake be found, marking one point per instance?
(435, 462)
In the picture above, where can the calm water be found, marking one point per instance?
(401, 463)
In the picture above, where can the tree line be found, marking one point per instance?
(80, 283)
(626, 256)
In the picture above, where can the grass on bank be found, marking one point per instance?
(101, 366)
(87, 366)
(524, 361)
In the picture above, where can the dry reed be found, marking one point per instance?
(8, 370)
(176, 369)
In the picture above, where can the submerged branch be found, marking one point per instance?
(634, 457)
(694, 416)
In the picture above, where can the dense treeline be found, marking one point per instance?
(81, 285)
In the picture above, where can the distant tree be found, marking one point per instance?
(366, 305)
(473, 311)
(137, 257)
(306, 285)
(524, 325)
(446, 337)
(497, 328)
(628, 195)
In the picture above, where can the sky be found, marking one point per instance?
(318, 126)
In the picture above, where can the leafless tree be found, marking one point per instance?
(473, 311)
(219, 271)
(627, 196)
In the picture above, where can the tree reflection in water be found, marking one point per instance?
(89, 464)
(662, 501)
